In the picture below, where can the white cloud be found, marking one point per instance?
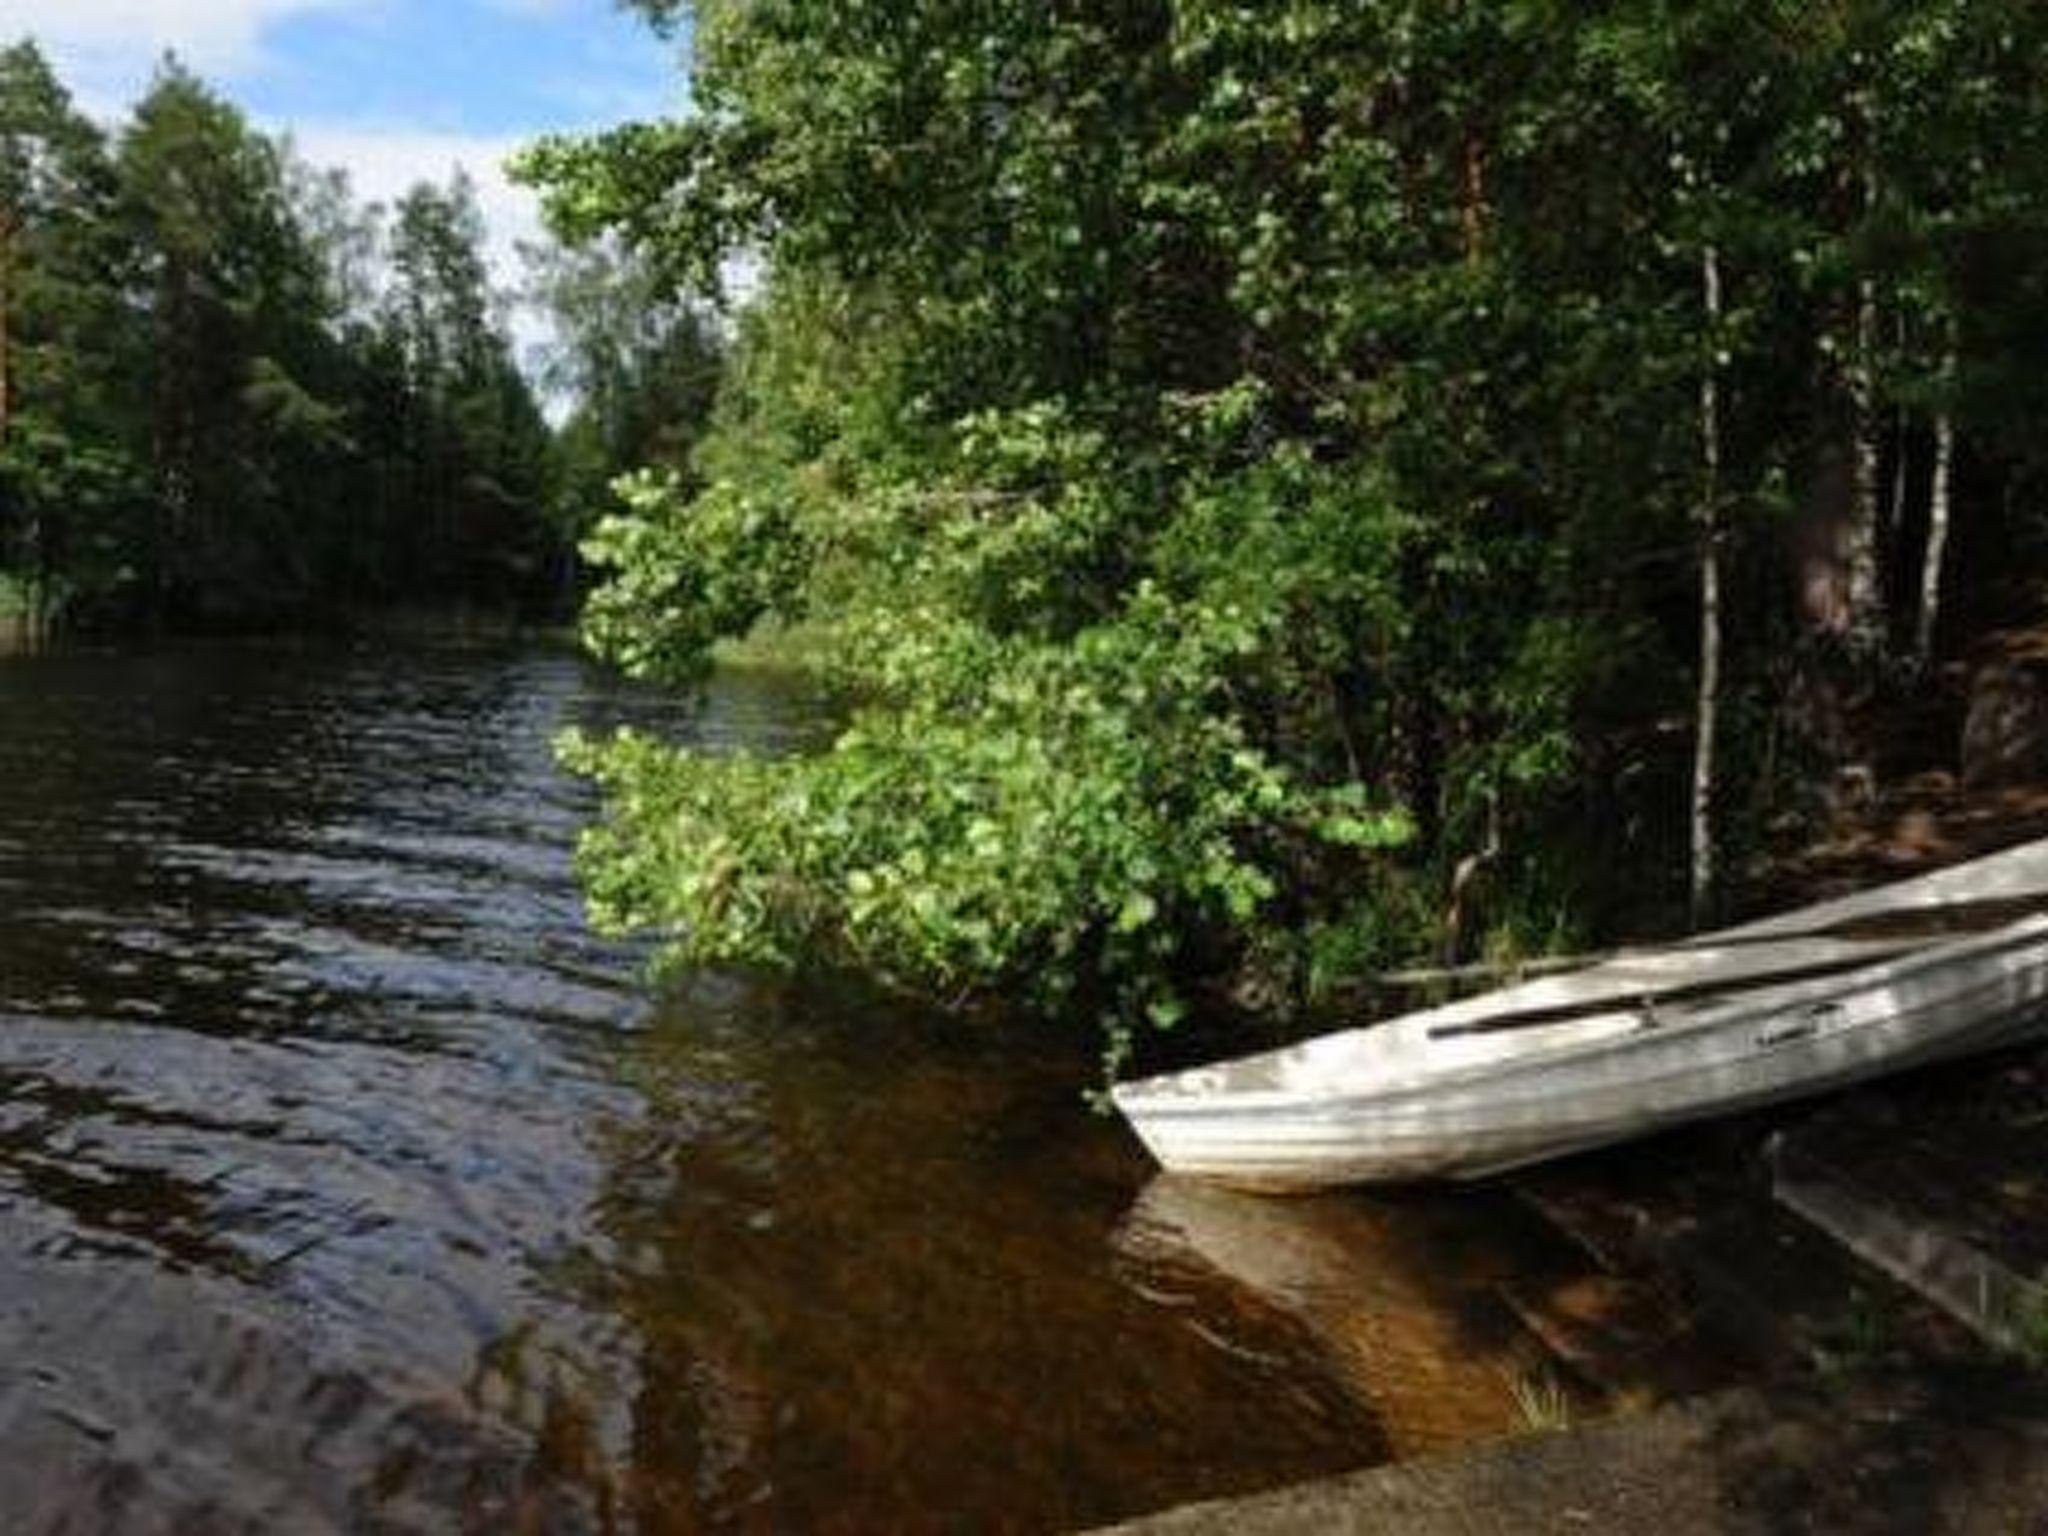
(107, 40)
(385, 162)
(105, 50)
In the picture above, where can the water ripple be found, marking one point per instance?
(347, 1182)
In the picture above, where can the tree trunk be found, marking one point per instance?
(1902, 458)
(1707, 731)
(1474, 206)
(39, 572)
(1938, 499)
(1864, 596)
(1866, 630)
(170, 531)
(1902, 472)
(7, 231)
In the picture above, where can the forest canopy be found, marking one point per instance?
(233, 396)
(1293, 485)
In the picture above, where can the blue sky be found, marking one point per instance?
(476, 67)
(394, 90)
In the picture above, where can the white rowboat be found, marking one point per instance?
(1750, 1016)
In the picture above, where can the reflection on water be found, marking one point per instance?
(1403, 1294)
(347, 1182)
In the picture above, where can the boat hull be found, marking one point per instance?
(1781, 1044)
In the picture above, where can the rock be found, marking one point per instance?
(1872, 1454)
(2005, 732)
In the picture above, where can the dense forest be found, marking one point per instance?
(1298, 485)
(1284, 488)
(233, 397)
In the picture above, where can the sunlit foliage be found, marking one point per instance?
(1243, 459)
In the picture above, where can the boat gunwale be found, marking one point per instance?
(1255, 1163)
(1136, 1102)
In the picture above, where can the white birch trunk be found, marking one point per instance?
(1860, 543)
(1938, 509)
(1707, 730)
(1864, 597)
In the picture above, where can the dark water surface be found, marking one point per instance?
(348, 1183)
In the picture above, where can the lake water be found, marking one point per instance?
(347, 1182)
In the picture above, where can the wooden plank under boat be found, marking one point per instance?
(1750, 1016)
